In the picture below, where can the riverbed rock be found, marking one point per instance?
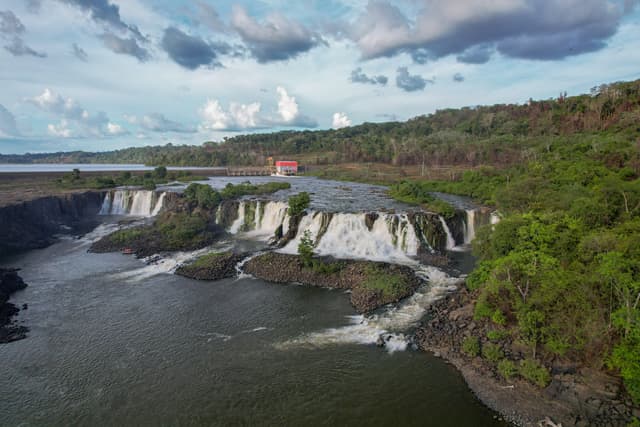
(575, 396)
(213, 266)
(35, 224)
(366, 279)
(10, 282)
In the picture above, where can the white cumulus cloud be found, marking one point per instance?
(237, 117)
(61, 130)
(340, 120)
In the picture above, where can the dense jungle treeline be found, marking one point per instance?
(498, 135)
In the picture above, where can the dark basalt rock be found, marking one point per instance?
(337, 274)
(212, 266)
(370, 219)
(34, 224)
(10, 283)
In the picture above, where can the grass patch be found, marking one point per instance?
(534, 372)
(389, 284)
(471, 346)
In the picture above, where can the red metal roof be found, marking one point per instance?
(286, 163)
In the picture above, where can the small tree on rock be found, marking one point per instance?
(305, 249)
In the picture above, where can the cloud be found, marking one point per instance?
(275, 39)
(8, 125)
(408, 82)
(12, 29)
(115, 129)
(104, 12)
(189, 51)
(125, 46)
(290, 113)
(10, 24)
(79, 53)
(357, 76)
(157, 122)
(240, 116)
(530, 29)
(61, 130)
(69, 111)
(33, 6)
(458, 78)
(17, 47)
(479, 54)
(206, 15)
(340, 120)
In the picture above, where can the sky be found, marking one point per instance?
(98, 75)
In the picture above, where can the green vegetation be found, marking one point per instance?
(206, 197)
(147, 180)
(389, 284)
(507, 369)
(298, 203)
(415, 193)
(305, 249)
(471, 346)
(534, 372)
(208, 259)
(492, 352)
(234, 191)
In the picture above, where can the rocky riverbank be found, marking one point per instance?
(34, 224)
(213, 266)
(372, 284)
(10, 283)
(574, 396)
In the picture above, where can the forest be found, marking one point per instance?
(498, 135)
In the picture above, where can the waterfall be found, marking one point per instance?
(470, 226)
(451, 243)
(132, 202)
(346, 235)
(239, 222)
(159, 204)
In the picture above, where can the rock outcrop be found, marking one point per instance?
(34, 224)
(372, 284)
(214, 266)
(10, 282)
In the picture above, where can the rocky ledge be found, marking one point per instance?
(574, 396)
(372, 284)
(213, 266)
(10, 282)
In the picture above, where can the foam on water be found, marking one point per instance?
(391, 324)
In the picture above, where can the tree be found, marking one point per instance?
(305, 249)
(298, 203)
(160, 172)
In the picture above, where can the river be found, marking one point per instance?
(116, 342)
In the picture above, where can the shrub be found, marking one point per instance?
(498, 317)
(305, 248)
(298, 203)
(507, 369)
(392, 285)
(471, 346)
(492, 352)
(496, 335)
(203, 195)
(534, 372)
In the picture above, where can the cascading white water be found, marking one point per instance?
(141, 204)
(159, 204)
(451, 243)
(132, 202)
(470, 226)
(269, 216)
(391, 238)
(389, 324)
(239, 222)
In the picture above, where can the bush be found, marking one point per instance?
(534, 372)
(298, 203)
(392, 285)
(305, 249)
(471, 346)
(492, 352)
(495, 335)
(507, 369)
(498, 317)
(203, 195)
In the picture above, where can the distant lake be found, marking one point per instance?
(85, 167)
